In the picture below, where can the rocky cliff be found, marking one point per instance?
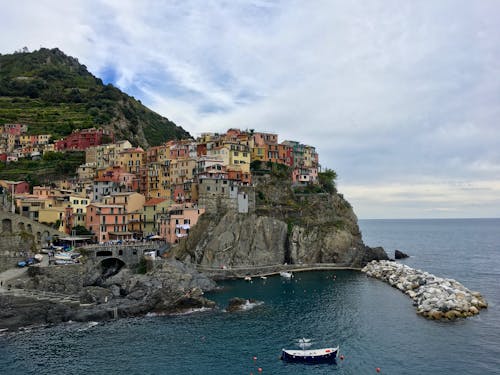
(288, 226)
(80, 293)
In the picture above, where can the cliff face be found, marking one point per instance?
(286, 227)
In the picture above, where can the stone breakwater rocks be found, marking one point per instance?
(435, 297)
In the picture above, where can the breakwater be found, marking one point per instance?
(435, 297)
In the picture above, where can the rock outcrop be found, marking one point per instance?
(240, 304)
(39, 297)
(434, 297)
(286, 227)
(398, 254)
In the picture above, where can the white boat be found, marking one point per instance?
(62, 256)
(248, 278)
(325, 355)
(287, 275)
(61, 262)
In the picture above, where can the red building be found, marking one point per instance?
(18, 187)
(80, 140)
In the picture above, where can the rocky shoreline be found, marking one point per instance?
(52, 295)
(434, 297)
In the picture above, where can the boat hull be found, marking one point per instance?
(328, 355)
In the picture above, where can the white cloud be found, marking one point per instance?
(391, 93)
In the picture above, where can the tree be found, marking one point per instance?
(81, 230)
(327, 180)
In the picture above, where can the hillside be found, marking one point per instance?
(53, 93)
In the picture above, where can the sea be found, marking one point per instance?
(374, 324)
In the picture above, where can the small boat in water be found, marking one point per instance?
(325, 355)
(286, 275)
(248, 278)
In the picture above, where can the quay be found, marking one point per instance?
(240, 272)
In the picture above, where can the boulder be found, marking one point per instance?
(398, 254)
(237, 304)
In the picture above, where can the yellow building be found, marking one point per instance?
(221, 152)
(259, 153)
(153, 208)
(52, 215)
(239, 156)
(25, 140)
(132, 160)
(132, 201)
(181, 170)
(79, 205)
(158, 180)
(106, 155)
(43, 139)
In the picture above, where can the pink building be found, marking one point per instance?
(107, 221)
(15, 129)
(178, 221)
(304, 175)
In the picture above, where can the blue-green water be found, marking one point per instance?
(374, 324)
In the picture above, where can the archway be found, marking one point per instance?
(7, 225)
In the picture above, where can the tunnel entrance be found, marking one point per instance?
(110, 267)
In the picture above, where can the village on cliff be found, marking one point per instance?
(124, 193)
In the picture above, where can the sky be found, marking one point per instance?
(400, 98)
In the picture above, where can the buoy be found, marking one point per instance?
(254, 358)
(260, 369)
(377, 369)
(342, 357)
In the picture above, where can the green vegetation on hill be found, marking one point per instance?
(53, 93)
(53, 166)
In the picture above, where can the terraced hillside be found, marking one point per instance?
(54, 93)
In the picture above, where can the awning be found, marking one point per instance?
(120, 233)
(73, 238)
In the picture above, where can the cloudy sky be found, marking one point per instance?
(401, 98)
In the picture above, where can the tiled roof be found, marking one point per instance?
(154, 201)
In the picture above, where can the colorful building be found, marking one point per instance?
(107, 222)
(153, 209)
(178, 221)
(80, 140)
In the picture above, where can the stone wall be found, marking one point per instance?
(21, 237)
(215, 196)
(130, 254)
